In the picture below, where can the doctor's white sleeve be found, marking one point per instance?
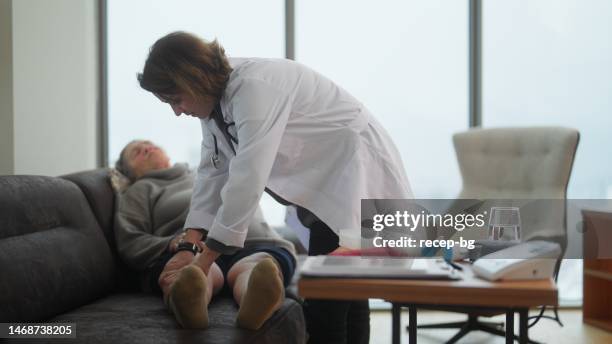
(206, 196)
(261, 112)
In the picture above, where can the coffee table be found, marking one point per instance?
(470, 291)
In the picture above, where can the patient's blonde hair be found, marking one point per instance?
(123, 165)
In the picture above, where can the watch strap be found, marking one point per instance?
(188, 246)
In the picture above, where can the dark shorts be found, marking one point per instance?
(282, 256)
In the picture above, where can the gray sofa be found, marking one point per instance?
(58, 263)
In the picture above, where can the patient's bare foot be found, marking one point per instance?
(187, 298)
(264, 295)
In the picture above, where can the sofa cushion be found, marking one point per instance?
(96, 187)
(143, 318)
(53, 256)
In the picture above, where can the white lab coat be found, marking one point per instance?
(300, 135)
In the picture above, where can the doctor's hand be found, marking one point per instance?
(205, 259)
(172, 268)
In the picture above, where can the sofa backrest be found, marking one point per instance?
(95, 185)
(53, 254)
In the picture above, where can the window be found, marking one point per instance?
(547, 62)
(407, 62)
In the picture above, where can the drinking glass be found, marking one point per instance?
(505, 224)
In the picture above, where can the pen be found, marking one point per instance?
(455, 266)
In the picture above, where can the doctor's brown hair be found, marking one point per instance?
(181, 62)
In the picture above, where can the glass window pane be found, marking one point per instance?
(547, 62)
(407, 62)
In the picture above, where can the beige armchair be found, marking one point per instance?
(524, 165)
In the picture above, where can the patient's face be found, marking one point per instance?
(144, 157)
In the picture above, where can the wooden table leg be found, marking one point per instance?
(396, 312)
(509, 326)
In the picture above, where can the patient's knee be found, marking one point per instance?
(247, 263)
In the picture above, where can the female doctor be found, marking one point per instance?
(275, 125)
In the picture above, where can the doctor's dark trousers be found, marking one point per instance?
(331, 321)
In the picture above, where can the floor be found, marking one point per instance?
(574, 330)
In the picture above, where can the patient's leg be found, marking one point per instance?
(257, 284)
(188, 291)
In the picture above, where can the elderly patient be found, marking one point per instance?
(150, 238)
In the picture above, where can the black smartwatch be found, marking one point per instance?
(187, 246)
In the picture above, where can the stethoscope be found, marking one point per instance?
(224, 127)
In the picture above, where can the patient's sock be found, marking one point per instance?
(187, 298)
(264, 295)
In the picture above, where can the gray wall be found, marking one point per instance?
(49, 124)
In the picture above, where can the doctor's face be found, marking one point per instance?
(184, 103)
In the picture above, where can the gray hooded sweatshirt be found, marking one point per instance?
(153, 209)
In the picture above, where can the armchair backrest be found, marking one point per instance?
(519, 163)
(532, 164)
